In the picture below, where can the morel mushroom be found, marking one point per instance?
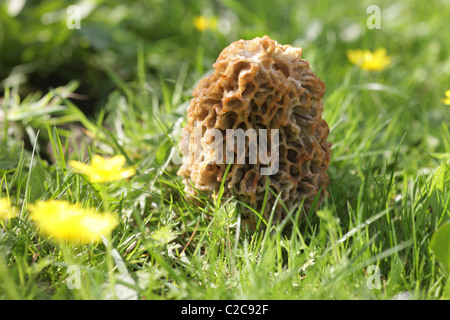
(270, 93)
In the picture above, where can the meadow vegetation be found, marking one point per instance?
(119, 87)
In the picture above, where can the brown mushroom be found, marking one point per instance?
(258, 85)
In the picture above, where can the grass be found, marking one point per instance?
(389, 131)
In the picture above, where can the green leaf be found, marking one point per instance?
(441, 179)
(440, 244)
(39, 181)
(163, 152)
(5, 165)
(439, 189)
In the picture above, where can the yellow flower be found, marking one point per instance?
(6, 211)
(368, 60)
(203, 23)
(104, 170)
(446, 100)
(61, 220)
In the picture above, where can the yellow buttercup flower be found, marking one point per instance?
(368, 60)
(104, 170)
(203, 23)
(6, 210)
(61, 220)
(446, 100)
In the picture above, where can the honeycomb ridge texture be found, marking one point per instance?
(259, 84)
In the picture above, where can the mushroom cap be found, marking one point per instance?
(258, 84)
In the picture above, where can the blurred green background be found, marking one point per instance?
(38, 50)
